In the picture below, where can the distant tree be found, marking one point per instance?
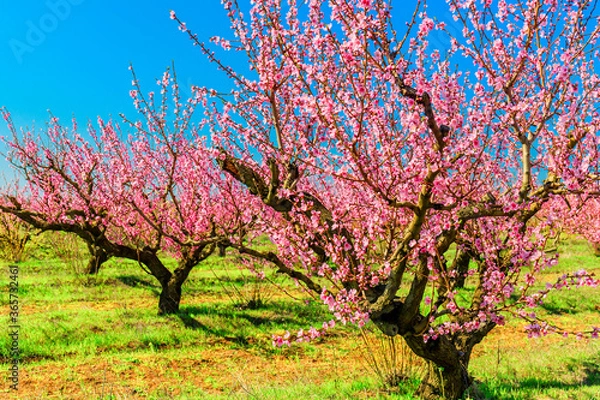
(167, 183)
(375, 154)
(582, 218)
(61, 191)
(132, 198)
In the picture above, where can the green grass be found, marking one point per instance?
(564, 370)
(78, 316)
(100, 337)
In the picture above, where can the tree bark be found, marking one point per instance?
(444, 382)
(448, 355)
(222, 250)
(98, 256)
(596, 248)
(170, 296)
(448, 359)
(462, 268)
(447, 376)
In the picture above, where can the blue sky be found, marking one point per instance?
(72, 56)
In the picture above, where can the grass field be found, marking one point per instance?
(99, 337)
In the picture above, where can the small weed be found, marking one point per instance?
(249, 290)
(392, 362)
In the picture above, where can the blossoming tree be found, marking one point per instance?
(61, 190)
(130, 196)
(582, 218)
(586, 222)
(165, 179)
(383, 163)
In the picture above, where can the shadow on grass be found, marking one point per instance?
(134, 281)
(554, 309)
(569, 305)
(187, 315)
(290, 318)
(592, 372)
(530, 387)
(290, 314)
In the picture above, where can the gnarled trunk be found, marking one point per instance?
(222, 250)
(444, 382)
(448, 356)
(448, 359)
(171, 283)
(447, 376)
(170, 296)
(98, 256)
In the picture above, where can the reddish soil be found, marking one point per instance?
(219, 369)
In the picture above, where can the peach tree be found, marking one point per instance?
(142, 192)
(391, 170)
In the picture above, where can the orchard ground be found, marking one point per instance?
(98, 337)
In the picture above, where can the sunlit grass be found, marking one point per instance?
(100, 337)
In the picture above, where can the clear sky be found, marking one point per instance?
(72, 56)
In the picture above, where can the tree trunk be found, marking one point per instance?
(447, 376)
(170, 296)
(444, 382)
(596, 248)
(97, 257)
(448, 359)
(462, 268)
(222, 250)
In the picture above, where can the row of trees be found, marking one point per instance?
(129, 196)
(386, 178)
